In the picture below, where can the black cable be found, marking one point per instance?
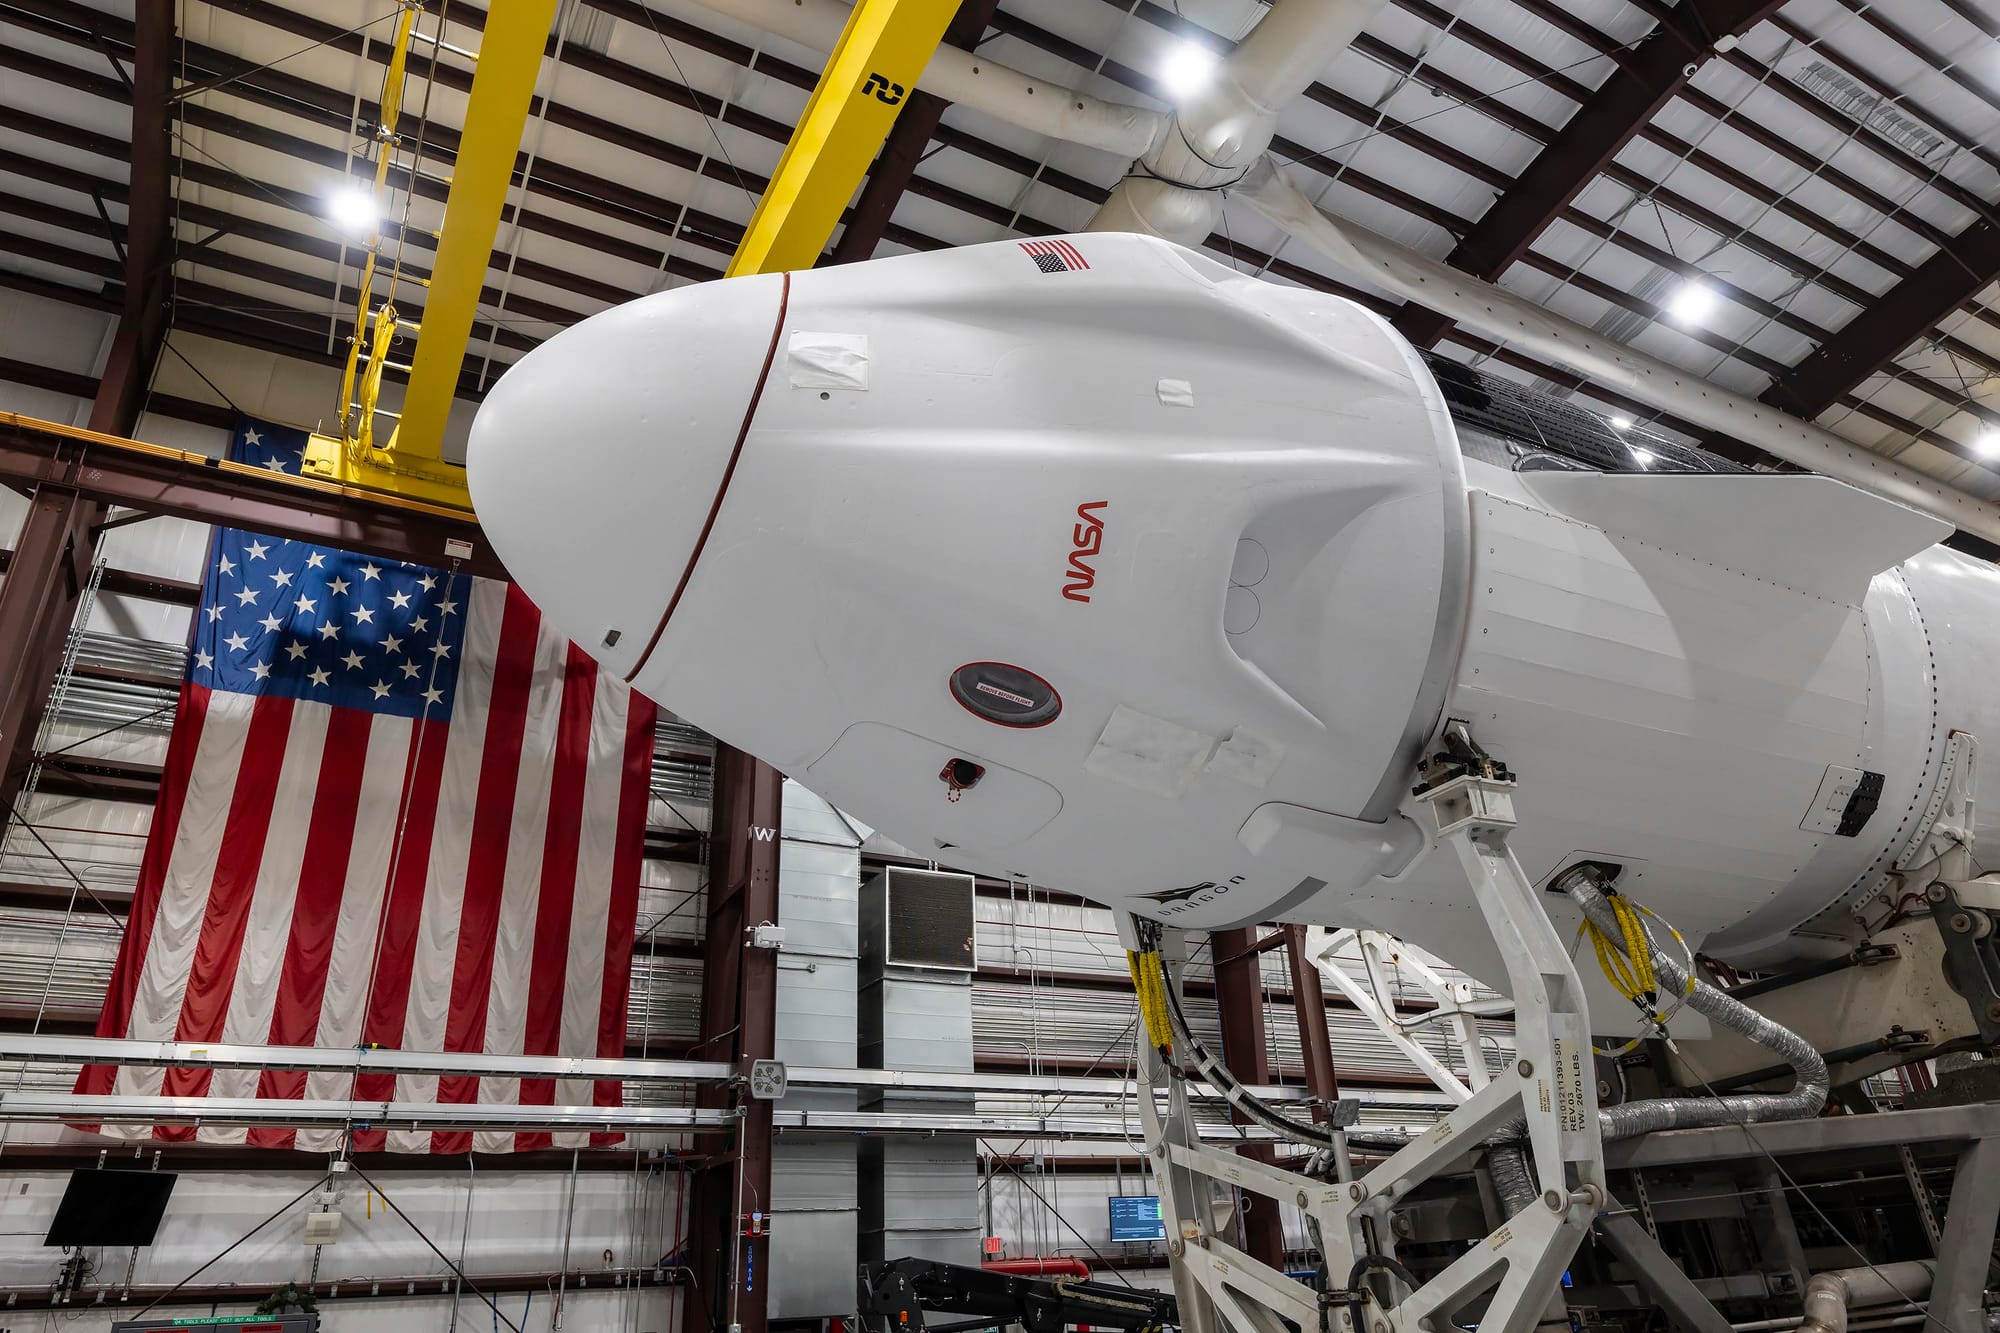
(282, 1210)
(425, 1238)
(1368, 1263)
(1057, 1214)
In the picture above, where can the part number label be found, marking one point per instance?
(1573, 1105)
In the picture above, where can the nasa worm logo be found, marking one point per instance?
(1088, 539)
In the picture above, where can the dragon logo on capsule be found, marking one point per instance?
(1087, 537)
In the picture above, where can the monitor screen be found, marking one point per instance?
(104, 1207)
(1136, 1217)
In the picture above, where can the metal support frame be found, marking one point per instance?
(46, 577)
(105, 470)
(739, 989)
(57, 546)
(1959, 1289)
(1659, 1275)
(1549, 1090)
(1456, 1011)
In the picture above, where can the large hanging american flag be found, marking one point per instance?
(397, 810)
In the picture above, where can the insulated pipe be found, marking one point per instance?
(1053, 1265)
(1499, 314)
(1829, 1296)
(1586, 885)
(1222, 131)
(959, 76)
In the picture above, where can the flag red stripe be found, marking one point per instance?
(628, 856)
(212, 975)
(1070, 253)
(486, 864)
(560, 841)
(402, 909)
(316, 911)
(115, 1019)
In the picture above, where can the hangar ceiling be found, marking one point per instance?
(1798, 211)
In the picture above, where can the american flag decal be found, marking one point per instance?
(1054, 256)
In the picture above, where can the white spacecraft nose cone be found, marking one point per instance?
(596, 462)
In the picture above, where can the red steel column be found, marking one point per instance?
(53, 556)
(1322, 1078)
(739, 989)
(1239, 997)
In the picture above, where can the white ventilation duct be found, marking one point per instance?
(1501, 315)
(1221, 131)
(1004, 93)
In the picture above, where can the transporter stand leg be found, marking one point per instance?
(1187, 1200)
(1550, 1089)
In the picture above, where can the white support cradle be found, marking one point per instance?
(1549, 1090)
(1457, 1012)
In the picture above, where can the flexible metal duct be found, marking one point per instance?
(1586, 887)
(971, 80)
(1216, 134)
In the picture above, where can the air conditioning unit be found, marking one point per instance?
(918, 919)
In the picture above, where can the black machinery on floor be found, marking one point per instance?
(896, 1295)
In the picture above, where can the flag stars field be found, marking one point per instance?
(345, 629)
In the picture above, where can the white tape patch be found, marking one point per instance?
(1248, 759)
(1149, 753)
(827, 360)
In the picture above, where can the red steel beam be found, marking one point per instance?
(62, 460)
(1239, 1000)
(1615, 114)
(739, 991)
(1952, 276)
(58, 544)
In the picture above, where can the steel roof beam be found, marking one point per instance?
(1954, 275)
(1618, 112)
(978, 148)
(107, 470)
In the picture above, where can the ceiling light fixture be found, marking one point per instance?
(1643, 457)
(1693, 303)
(1621, 423)
(353, 209)
(1987, 443)
(1187, 69)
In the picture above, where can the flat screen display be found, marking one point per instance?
(104, 1207)
(1136, 1217)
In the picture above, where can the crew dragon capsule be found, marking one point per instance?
(1090, 561)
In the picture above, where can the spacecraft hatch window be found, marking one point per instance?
(1005, 695)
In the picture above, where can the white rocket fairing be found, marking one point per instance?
(1094, 562)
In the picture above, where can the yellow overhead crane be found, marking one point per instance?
(867, 79)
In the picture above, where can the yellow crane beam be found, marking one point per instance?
(496, 113)
(867, 79)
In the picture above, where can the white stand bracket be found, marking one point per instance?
(1455, 1010)
(1550, 1088)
